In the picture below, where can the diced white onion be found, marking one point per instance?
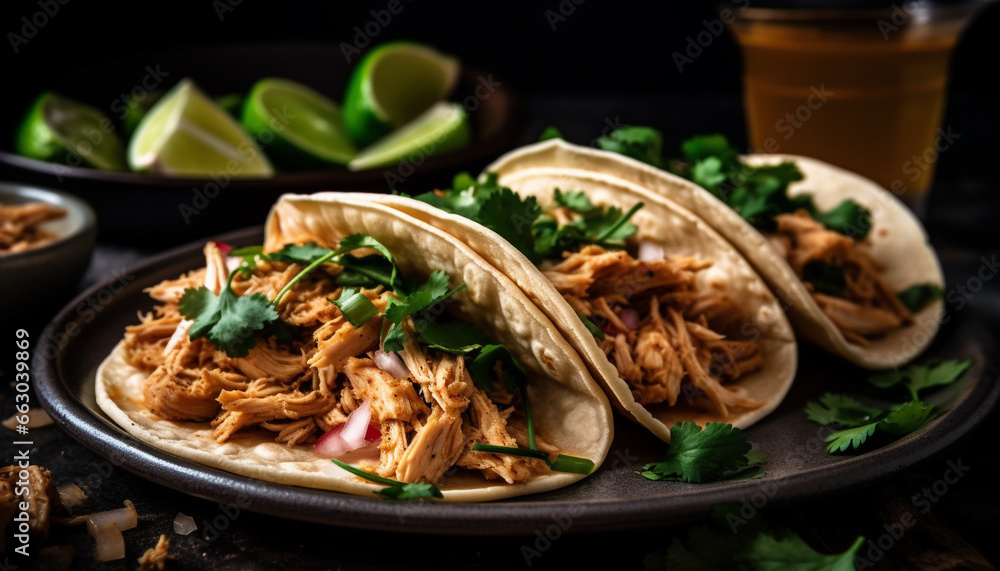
(37, 418)
(106, 529)
(630, 318)
(650, 251)
(71, 496)
(184, 524)
(392, 363)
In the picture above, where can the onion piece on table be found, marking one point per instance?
(106, 529)
(71, 496)
(184, 524)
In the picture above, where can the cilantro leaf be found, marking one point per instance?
(751, 545)
(840, 409)
(550, 132)
(458, 337)
(708, 173)
(641, 143)
(394, 490)
(916, 378)
(483, 369)
(902, 419)
(848, 218)
(510, 216)
(299, 254)
(697, 455)
(227, 320)
(574, 200)
(429, 293)
(705, 146)
(917, 296)
(365, 271)
(825, 278)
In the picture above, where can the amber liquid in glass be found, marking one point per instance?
(852, 98)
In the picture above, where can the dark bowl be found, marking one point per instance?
(34, 278)
(160, 210)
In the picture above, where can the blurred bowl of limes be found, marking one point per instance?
(174, 145)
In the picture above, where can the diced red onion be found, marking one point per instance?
(392, 363)
(630, 318)
(224, 247)
(184, 524)
(71, 496)
(650, 251)
(356, 434)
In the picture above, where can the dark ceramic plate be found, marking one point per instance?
(614, 497)
(158, 210)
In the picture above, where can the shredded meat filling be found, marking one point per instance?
(429, 421)
(660, 328)
(20, 225)
(868, 307)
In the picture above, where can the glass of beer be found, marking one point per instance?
(863, 89)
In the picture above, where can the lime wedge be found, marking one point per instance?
(136, 109)
(59, 129)
(442, 128)
(188, 134)
(393, 84)
(302, 127)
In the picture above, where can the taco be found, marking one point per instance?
(669, 317)
(848, 260)
(359, 333)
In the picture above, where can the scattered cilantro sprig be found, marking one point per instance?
(731, 542)
(858, 422)
(393, 489)
(719, 452)
(917, 296)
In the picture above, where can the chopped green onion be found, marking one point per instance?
(621, 222)
(394, 490)
(573, 464)
(592, 327)
(527, 453)
(355, 306)
(319, 261)
(529, 423)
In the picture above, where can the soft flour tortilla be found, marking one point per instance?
(898, 240)
(680, 233)
(569, 408)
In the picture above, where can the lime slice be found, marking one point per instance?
(393, 84)
(442, 128)
(302, 128)
(59, 129)
(136, 109)
(188, 134)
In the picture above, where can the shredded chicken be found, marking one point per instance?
(20, 225)
(676, 343)
(155, 558)
(300, 389)
(868, 307)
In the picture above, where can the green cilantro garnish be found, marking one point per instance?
(229, 321)
(900, 420)
(520, 220)
(550, 132)
(433, 291)
(859, 422)
(730, 541)
(840, 409)
(457, 337)
(917, 296)
(394, 490)
(848, 218)
(640, 143)
(718, 452)
(916, 378)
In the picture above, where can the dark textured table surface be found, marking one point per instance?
(958, 532)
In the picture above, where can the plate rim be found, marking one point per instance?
(522, 515)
